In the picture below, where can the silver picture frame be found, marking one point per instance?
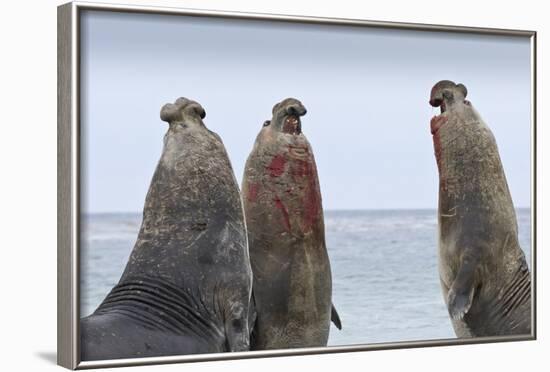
(68, 181)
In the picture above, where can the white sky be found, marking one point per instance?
(366, 91)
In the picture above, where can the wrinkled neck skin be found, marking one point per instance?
(271, 141)
(182, 181)
(467, 155)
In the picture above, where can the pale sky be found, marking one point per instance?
(366, 91)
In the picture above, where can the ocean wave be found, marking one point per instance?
(368, 225)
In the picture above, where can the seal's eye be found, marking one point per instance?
(447, 94)
(266, 123)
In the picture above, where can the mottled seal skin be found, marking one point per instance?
(187, 285)
(282, 200)
(484, 276)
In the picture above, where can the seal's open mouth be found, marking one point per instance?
(292, 125)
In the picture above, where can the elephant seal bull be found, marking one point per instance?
(484, 275)
(292, 280)
(187, 285)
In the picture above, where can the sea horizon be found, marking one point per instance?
(521, 208)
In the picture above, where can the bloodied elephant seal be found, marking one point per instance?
(483, 271)
(282, 200)
(187, 285)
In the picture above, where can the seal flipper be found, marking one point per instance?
(335, 318)
(459, 303)
(461, 293)
(236, 329)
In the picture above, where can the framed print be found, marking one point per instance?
(240, 185)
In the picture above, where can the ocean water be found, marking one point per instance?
(384, 270)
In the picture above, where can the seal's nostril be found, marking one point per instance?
(296, 110)
(197, 109)
(201, 112)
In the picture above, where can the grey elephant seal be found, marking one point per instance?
(187, 285)
(484, 275)
(282, 200)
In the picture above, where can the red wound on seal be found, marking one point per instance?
(437, 122)
(302, 168)
(277, 166)
(286, 220)
(312, 203)
(253, 191)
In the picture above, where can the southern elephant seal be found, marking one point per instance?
(483, 271)
(187, 285)
(292, 279)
